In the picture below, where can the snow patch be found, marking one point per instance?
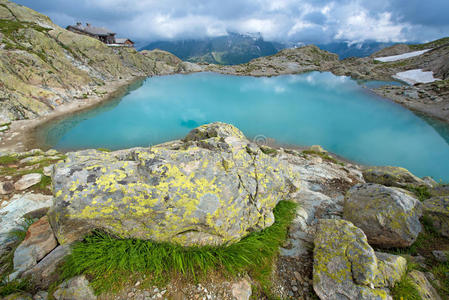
(416, 76)
(401, 56)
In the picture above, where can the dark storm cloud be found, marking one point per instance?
(293, 20)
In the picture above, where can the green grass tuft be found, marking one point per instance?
(324, 156)
(14, 286)
(405, 289)
(422, 192)
(108, 262)
(8, 159)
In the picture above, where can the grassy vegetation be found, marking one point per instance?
(324, 156)
(441, 272)
(109, 262)
(433, 44)
(103, 149)
(14, 286)
(8, 159)
(268, 150)
(422, 192)
(406, 289)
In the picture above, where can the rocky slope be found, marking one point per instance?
(338, 245)
(43, 66)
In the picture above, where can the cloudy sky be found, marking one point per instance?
(281, 20)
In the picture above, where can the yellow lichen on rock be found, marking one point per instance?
(179, 191)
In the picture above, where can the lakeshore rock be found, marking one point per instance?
(44, 273)
(344, 264)
(12, 214)
(389, 216)
(437, 210)
(425, 289)
(6, 187)
(27, 181)
(214, 187)
(391, 176)
(74, 289)
(39, 241)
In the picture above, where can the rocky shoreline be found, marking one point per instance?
(335, 211)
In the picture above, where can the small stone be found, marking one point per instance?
(441, 256)
(241, 290)
(317, 148)
(293, 282)
(47, 170)
(75, 288)
(298, 276)
(41, 295)
(51, 152)
(294, 288)
(130, 294)
(6, 187)
(137, 283)
(27, 181)
(32, 159)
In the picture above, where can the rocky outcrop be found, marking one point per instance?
(39, 241)
(12, 214)
(391, 176)
(345, 266)
(43, 66)
(436, 209)
(45, 272)
(213, 187)
(287, 61)
(388, 216)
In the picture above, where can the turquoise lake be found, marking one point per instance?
(313, 108)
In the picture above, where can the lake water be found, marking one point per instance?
(307, 109)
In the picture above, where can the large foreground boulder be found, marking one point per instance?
(346, 267)
(436, 209)
(392, 176)
(388, 216)
(213, 187)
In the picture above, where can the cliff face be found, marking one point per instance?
(43, 65)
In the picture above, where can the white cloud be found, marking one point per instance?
(294, 20)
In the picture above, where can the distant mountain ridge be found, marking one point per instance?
(235, 48)
(231, 49)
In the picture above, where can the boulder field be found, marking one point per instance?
(214, 187)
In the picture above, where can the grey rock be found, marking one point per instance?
(39, 241)
(391, 176)
(441, 256)
(41, 295)
(12, 213)
(18, 296)
(436, 209)
(6, 187)
(213, 187)
(27, 181)
(389, 216)
(75, 289)
(413, 94)
(43, 274)
(425, 289)
(241, 290)
(344, 264)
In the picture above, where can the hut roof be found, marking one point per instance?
(122, 41)
(101, 31)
